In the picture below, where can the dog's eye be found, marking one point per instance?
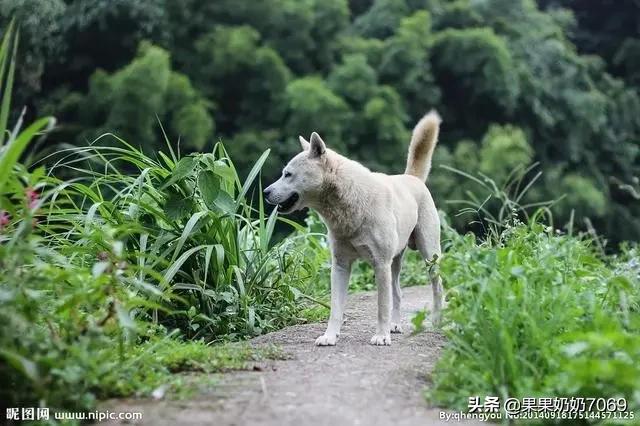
(287, 174)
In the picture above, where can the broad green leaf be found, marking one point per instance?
(184, 167)
(207, 160)
(177, 206)
(209, 185)
(225, 203)
(223, 170)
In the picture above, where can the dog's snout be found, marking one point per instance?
(267, 191)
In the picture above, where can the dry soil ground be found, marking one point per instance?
(352, 383)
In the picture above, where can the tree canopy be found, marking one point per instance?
(516, 81)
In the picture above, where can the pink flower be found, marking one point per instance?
(32, 198)
(4, 218)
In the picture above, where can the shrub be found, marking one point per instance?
(130, 100)
(504, 148)
(96, 273)
(536, 313)
(465, 54)
(189, 227)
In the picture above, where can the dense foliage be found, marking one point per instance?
(516, 81)
(114, 279)
(121, 260)
(100, 275)
(535, 313)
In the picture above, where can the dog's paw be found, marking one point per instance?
(396, 328)
(326, 340)
(381, 340)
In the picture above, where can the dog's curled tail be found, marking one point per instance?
(423, 142)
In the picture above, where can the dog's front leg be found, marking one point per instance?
(340, 272)
(383, 281)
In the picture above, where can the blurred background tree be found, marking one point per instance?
(517, 82)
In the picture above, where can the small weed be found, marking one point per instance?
(315, 313)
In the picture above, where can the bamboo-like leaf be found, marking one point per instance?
(12, 152)
(271, 224)
(186, 233)
(6, 87)
(467, 175)
(251, 177)
(175, 266)
(4, 46)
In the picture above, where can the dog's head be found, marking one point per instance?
(302, 178)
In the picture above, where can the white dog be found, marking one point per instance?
(369, 215)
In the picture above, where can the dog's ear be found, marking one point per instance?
(318, 147)
(304, 143)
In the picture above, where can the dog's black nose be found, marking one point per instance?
(267, 191)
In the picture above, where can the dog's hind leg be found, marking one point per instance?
(383, 281)
(396, 292)
(426, 237)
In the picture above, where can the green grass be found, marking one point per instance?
(71, 334)
(414, 272)
(536, 313)
(533, 311)
(161, 364)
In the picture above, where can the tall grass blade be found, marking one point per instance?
(14, 149)
(175, 266)
(4, 46)
(186, 233)
(252, 175)
(464, 174)
(7, 86)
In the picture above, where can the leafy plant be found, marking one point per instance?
(534, 312)
(102, 276)
(189, 227)
(12, 143)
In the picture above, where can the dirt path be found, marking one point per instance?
(352, 383)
